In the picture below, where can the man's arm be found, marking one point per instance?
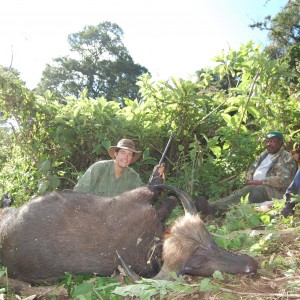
(84, 184)
(254, 182)
(282, 172)
(88, 180)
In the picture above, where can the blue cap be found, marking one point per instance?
(276, 134)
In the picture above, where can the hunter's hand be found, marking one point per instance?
(160, 170)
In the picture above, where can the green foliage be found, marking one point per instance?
(206, 284)
(90, 287)
(283, 28)
(217, 134)
(238, 218)
(284, 35)
(146, 289)
(5, 290)
(19, 177)
(99, 63)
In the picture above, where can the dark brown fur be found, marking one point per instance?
(81, 234)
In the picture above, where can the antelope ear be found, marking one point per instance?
(195, 265)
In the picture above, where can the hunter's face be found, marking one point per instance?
(273, 145)
(123, 157)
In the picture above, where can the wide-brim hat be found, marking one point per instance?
(125, 144)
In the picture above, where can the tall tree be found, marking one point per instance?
(101, 64)
(283, 29)
(284, 36)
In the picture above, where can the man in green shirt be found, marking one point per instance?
(109, 178)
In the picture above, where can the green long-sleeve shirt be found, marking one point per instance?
(100, 180)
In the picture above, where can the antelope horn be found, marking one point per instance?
(187, 202)
(129, 273)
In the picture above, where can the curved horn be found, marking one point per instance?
(129, 273)
(187, 202)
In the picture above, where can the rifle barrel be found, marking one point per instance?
(163, 155)
(166, 149)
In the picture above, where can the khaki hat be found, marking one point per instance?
(125, 144)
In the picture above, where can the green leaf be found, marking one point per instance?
(143, 291)
(106, 144)
(45, 166)
(76, 111)
(226, 117)
(180, 147)
(205, 285)
(218, 275)
(253, 111)
(265, 219)
(54, 182)
(217, 151)
(43, 186)
(83, 291)
(254, 220)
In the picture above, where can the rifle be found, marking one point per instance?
(163, 156)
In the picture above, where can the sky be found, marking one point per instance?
(168, 37)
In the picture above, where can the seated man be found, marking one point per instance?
(268, 177)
